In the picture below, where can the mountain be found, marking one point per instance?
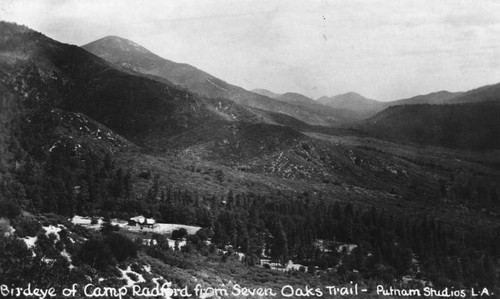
(353, 104)
(350, 100)
(296, 98)
(299, 100)
(489, 93)
(440, 97)
(70, 78)
(144, 110)
(470, 125)
(133, 57)
(482, 94)
(459, 120)
(266, 93)
(363, 108)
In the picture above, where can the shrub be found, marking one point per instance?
(81, 231)
(251, 259)
(96, 253)
(107, 227)
(161, 241)
(136, 268)
(179, 233)
(14, 256)
(121, 246)
(54, 219)
(204, 234)
(170, 258)
(26, 227)
(193, 239)
(188, 248)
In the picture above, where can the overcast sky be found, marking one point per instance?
(383, 49)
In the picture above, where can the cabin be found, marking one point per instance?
(142, 222)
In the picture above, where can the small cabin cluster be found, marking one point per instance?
(142, 222)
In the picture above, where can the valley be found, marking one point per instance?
(349, 189)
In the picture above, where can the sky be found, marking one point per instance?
(382, 49)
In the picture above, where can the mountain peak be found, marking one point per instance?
(117, 40)
(116, 43)
(295, 94)
(352, 101)
(350, 98)
(352, 94)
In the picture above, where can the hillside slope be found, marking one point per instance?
(266, 93)
(440, 97)
(70, 78)
(482, 94)
(472, 125)
(129, 55)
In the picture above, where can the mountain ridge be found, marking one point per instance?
(438, 97)
(464, 125)
(266, 93)
(195, 80)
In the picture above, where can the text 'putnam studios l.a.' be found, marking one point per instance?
(236, 290)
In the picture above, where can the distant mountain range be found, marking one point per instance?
(132, 57)
(292, 98)
(356, 101)
(345, 111)
(355, 107)
(350, 100)
(326, 111)
(297, 98)
(145, 97)
(353, 102)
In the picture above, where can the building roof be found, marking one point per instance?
(143, 220)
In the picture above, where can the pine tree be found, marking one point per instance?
(279, 247)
